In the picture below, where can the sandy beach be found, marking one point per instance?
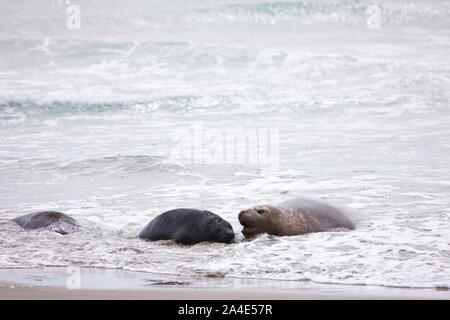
(109, 284)
(14, 291)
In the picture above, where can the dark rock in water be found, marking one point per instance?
(51, 220)
(188, 226)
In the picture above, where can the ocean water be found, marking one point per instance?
(92, 121)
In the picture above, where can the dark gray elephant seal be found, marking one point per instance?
(51, 220)
(188, 226)
(293, 217)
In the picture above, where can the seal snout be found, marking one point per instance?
(229, 236)
(242, 217)
(247, 220)
(244, 214)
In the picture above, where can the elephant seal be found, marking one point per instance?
(51, 220)
(188, 226)
(293, 217)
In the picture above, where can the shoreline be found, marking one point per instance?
(112, 284)
(15, 291)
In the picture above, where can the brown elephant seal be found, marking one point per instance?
(51, 220)
(293, 217)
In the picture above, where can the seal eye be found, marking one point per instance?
(260, 211)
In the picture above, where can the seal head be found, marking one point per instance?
(218, 230)
(259, 219)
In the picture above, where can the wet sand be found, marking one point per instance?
(99, 283)
(14, 291)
